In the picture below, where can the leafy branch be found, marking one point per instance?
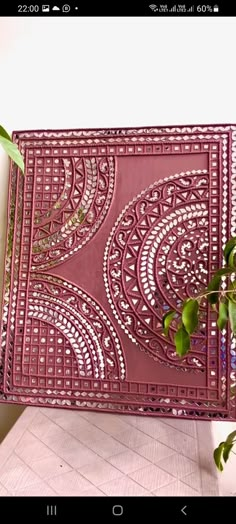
(223, 301)
(222, 452)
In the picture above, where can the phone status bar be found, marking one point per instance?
(159, 9)
(147, 9)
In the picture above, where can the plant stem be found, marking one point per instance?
(222, 292)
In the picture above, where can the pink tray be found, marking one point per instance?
(84, 297)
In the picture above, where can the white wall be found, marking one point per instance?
(72, 72)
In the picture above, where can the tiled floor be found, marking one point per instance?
(60, 452)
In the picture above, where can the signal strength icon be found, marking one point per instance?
(173, 9)
(191, 9)
(153, 7)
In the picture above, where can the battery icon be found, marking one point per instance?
(216, 9)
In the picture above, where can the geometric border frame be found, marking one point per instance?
(144, 399)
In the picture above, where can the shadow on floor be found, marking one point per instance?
(8, 416)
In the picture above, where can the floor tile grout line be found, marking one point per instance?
(97, 486)
(147, 418)
(127, 477)
(137, 429)
(178, 477)
(129, 449)
(16, 453)
(28, 466)
(179, 480)
(107, 462)
(77, 469)
(180, 430)
(123, 473)
(108, 436)
(91, 423)
(87, 447)
(57, 454)
(173, 429)
(41, 481)
(33, 461)
(18, 438)
(155, 465)
(136, 481)
(96, 426)
(199, 491)
(48, 447)
(54, 477)
(2, 485)
(91, 484)
(155, 439)
(135, 450)
(141, 431)
(104, 459)
(163, 443)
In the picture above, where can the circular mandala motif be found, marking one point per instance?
(155, 257)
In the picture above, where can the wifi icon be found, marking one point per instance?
(153, 7)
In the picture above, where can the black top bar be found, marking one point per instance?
(67, 8)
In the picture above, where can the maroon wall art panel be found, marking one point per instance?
(108, 230)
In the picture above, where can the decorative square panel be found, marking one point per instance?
(107, 231)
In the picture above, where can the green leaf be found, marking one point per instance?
(4, 133)
(228, 248)
(231, 258)
(224, 271)
(232, 316)
(226, 451)
(232, 295)
(214, 285)
(182, 342)
(231, 437)
(166, 321)
(223, 315)
(13, 152)
(218, 456)
(190, 315)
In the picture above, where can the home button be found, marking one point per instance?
(117, 510)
